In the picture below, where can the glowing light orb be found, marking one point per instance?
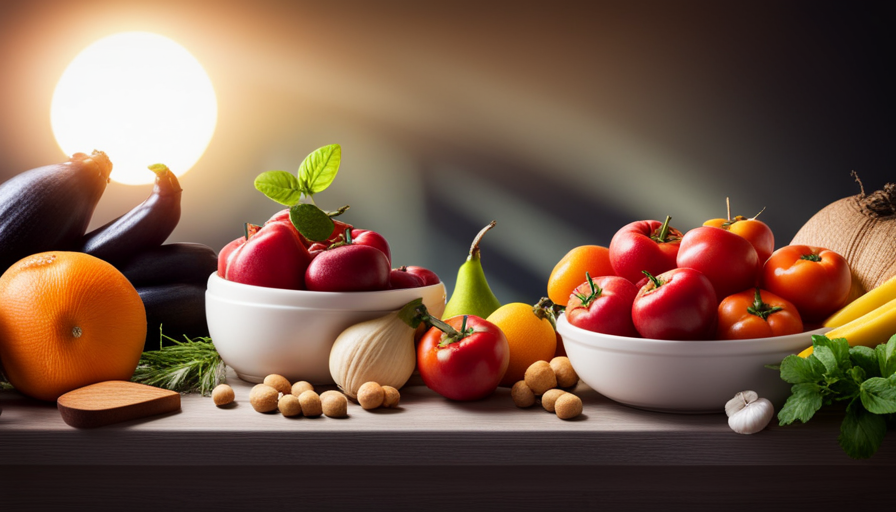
(139, 97)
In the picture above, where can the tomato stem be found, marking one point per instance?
(414, 313)
(811, 257)
(761, 309)
(595, 292)
(662, 236)
(655, 280)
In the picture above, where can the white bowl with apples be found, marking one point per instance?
(679, 376)
(259, 331)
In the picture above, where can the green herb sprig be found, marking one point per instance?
(865, 378)
(187, 366)
(316, 172)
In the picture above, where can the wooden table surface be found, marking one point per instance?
(479, 439)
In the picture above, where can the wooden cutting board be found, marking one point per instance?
(114, 401)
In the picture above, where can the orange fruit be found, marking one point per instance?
(569, 272)
(530, 338)
(67, 320)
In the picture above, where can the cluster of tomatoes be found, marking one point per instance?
(722, 280)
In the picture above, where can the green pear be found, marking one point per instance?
(472, 295)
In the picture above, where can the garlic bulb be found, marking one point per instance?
(747, 413)
(379, 350)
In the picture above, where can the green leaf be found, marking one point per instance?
(866, 359)
(805, 400)
(279, 186)
(878, 395)
(797, 370)
(318, 169)
(825, 354)
(861, 432)
(312, 222)
(886, 355)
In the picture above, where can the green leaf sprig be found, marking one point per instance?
(187, 366)
(316, 172)
(865, 378)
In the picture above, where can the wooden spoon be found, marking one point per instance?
(114, 401)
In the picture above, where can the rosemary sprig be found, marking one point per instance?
(187, 366)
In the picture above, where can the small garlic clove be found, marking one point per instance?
(740, 400)
(753, 417)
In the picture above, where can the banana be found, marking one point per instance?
(864, 304)
(868, 330)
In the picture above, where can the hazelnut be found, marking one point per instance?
(299, 387)
(264, 398)
(371, 395)
(566, 376)
(521, 394)
(391, 397)
(289, 406)
(222, 395)
(540, 377)
(278, 382)
(549, 399)
(311, 406)
(334, 404)
(568, 406)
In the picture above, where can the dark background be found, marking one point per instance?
(562, 121)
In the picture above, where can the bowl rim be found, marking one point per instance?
(220, 287)
(601, 341)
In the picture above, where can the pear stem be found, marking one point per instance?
(474, 249)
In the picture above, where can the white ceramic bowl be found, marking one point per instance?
(259, 331)
(679, 376)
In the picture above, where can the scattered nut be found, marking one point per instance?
(278, 382)
(334, 404)
(521, 394)
(540, 377)
(300, 387)
(222, 394)
(311, 406)
(549, 399)
(371, 395)
(264, 398)
(566, 376)
(391, 397)
(568, 406)
(289, 406)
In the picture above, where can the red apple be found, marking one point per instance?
(373, 239)
(428, 276)
(401, 278)
(348, 268)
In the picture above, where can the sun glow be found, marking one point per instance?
(139, 97)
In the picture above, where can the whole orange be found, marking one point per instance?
(67, 320)
(569, 272)
(531, 338)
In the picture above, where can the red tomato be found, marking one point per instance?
(676, 305)
(815, 280)
(648, 245)
(729, 261)
(373, 239)
(755, 231)
(757, 314)
(467, 364)
(603, 305)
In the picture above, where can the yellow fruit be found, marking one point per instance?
(530, 336)
(864, 304)
(569, 272)
(868, 330)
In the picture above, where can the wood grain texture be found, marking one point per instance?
(105, 403)
(424, 428)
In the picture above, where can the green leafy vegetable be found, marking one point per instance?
(863, 377)
(312, 222)
(187, 366)
(319, 169)
(316, 173)
(280, 186)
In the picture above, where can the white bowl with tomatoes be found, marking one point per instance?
(681, 376)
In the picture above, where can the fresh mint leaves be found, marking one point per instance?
(836, 372)
(315, 174)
